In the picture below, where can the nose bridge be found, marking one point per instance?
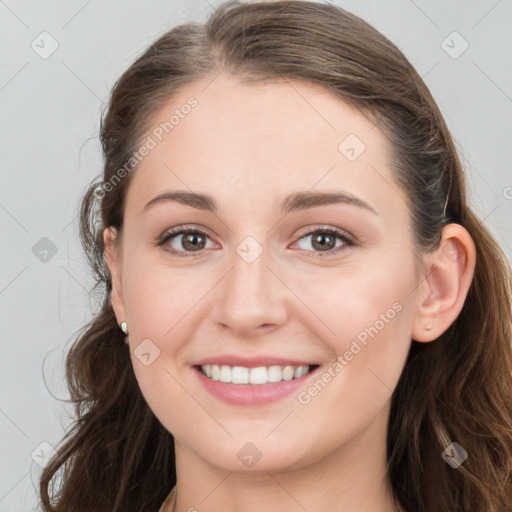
(251, 294)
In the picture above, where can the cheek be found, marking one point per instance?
(352, 303)
(368, 356)
(158, 297)
(365, 319)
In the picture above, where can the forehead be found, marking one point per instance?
(268, 138)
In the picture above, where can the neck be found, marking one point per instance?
(353, 479)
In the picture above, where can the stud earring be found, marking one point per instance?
(428, 327)
(124, 327)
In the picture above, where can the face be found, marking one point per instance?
(266, 273)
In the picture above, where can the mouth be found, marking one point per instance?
(257, 376)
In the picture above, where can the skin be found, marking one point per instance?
(249, 146)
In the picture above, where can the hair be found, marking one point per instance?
(458, 388)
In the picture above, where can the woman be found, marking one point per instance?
(300, 310)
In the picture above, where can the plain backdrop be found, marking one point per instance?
(59, 61)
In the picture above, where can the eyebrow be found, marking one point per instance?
(294, 202)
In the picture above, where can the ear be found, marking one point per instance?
(113, 261)
(448, 272)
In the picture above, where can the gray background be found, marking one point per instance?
(50, 111)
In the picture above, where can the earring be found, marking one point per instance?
(428, 327)
(124, 327)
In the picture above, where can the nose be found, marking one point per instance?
(252, 298)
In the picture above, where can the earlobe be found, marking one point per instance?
(448, 273)
(112, 260)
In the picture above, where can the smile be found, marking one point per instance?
(253, 386)
(258, 375)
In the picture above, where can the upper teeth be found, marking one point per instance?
(258, 375)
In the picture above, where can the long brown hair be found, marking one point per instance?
(117, 456)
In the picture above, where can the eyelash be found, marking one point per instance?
(348, 240)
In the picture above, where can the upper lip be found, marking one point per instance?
(252, 362)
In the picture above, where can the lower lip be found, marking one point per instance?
(252, 394)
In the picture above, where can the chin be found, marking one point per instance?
(259, 456)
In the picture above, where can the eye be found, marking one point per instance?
(184, 241)
(189, 241)
(324, 241)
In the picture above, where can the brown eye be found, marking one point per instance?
(193, 241)
(323, 242)
(184, 242)
(326, 240)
